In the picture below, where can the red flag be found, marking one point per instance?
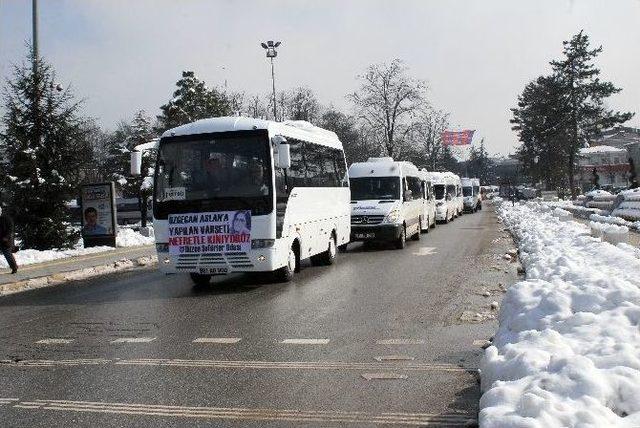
(457, 138)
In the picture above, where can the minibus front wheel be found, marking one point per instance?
(401, 241)
(285, 273)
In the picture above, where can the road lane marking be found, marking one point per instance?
(425, 251)
(300, 365)
(259, 365)
(261, 414)
(54, 341)
(223, 340)
(399, 342)
(134, 340)
(383, 376)
(394, 358)
(51, 363)
(305, 341)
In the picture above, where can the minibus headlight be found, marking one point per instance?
(262, 243)
(393, 216)
(439, 203)
(162, 247)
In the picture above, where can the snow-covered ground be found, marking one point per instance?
(567, 351)
(125, 238)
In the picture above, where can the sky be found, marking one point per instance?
(121, 56)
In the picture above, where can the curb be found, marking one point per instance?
(76, 275)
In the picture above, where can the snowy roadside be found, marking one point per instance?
(567, 350)
(125, 238)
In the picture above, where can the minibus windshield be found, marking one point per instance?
(467, 191)
(235, 169)
(438, 189)
(375, 188)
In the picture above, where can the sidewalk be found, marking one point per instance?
(61, 270)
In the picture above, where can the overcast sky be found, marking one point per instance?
(126, 55)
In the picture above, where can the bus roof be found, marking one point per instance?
(297, 129)
(383, 167)
(446, 177)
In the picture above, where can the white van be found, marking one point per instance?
(235, 194)
(429, 204)
(448, 196)
(386, 201)
(471, 194)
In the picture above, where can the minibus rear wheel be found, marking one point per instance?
(327, 257)
(200, 280)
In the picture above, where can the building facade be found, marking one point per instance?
(609, 164)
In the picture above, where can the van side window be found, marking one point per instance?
(414, 184)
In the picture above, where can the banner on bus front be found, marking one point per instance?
(210, 232)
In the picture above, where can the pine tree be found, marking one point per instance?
(122, 142)
(584, 94)
(45, 143)
(192, 100)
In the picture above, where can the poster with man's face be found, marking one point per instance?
(97, 213)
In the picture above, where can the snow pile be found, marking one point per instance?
(597, 193)
(131, 238)
(610, 220)
(125, 238)
(629, 207)
(610, 233)
(567, 352)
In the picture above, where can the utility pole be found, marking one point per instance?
(270, 47)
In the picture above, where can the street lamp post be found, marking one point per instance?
(270, 47)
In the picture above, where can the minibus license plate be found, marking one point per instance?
(365, 235)
(214, 271)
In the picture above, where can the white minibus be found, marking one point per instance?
(429, 202)
(446, 186)
(471, 194)
(386, 201)
(234, 194)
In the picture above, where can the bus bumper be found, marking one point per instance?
(382, 232)
(259, 260)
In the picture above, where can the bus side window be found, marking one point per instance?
(296, 174)
(341, 168)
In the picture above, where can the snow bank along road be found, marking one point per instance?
(381, 337)
(567, 352)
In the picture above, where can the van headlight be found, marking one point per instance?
(393, 216)
(262, 243)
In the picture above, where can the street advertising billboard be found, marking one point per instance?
(210, 232)
(98, 214)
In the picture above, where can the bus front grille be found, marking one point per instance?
(213, 260)
(366, 219)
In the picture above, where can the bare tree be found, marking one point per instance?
(389, 102)
(428, 135)
(303, 105)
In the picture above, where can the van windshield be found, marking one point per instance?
(438, 189)
(467, 191)
(375, 188)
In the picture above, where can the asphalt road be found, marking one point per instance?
(382, 337)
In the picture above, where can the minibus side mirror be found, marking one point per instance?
(408, 195)
(283, 160)
(136, 163)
